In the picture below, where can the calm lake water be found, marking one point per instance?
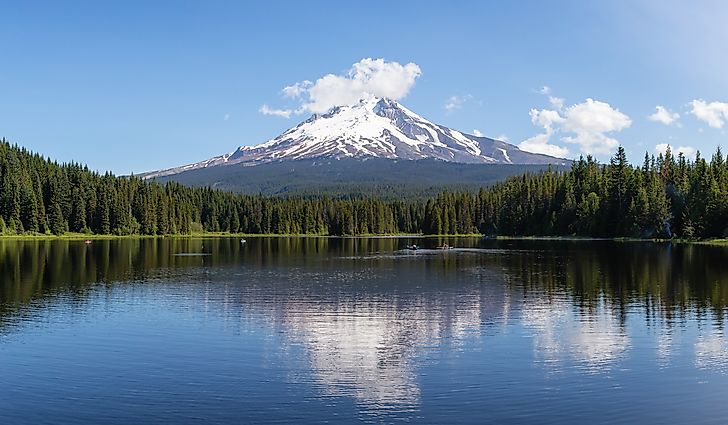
(310, 330)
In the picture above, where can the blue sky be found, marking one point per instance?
(134, 86)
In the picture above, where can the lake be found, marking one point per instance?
(310, 330)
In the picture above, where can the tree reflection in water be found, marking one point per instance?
(369, 314)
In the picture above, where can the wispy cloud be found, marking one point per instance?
(296, 90)
(266, 110)
(556, 102)
(454, 103)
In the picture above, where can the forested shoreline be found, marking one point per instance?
(667, 196)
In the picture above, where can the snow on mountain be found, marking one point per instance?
(380, 128)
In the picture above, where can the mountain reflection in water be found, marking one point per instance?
(400, 334)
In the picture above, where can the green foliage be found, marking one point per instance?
(587, 214)
(664, 197)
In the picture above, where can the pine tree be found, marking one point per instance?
(79, 212)
(56, 221)
(618, 196)
(28, 208)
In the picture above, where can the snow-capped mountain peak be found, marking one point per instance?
(373, 127)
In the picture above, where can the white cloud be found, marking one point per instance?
(714, 113)
(687, 151)
(226, 117)
(503, 138)
(590, 122)
(540, 143)
(557, 102)
(663, 115)
(545, 118)
(477, 133)
(368, 77)
(265, 110)
(456, 102)
(296, 90)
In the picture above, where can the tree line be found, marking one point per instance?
(667, 196)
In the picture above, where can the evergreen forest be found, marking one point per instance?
(666, 196)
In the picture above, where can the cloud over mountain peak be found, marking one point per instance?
(366, 78)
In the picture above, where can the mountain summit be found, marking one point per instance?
(372, 128)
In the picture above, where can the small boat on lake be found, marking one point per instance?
(412, 247)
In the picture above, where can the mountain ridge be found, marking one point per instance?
(350, 177)
(372, 128)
